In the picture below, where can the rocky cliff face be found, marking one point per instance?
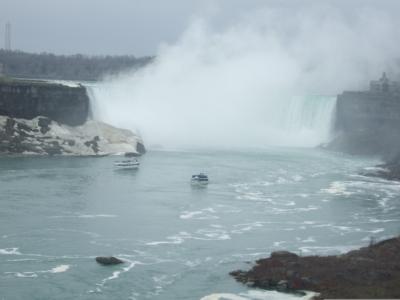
(368, 122)
(30, 99)
(39, 118)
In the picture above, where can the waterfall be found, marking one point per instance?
(238, 88)
(174, 119)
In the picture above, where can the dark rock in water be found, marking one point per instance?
(108, 260)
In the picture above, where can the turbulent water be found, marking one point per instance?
(179, 242)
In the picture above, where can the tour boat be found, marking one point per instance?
(127, 164)
(199, 179)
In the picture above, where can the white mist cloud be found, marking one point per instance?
(234, 86)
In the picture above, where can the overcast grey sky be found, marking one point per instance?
(135, 27)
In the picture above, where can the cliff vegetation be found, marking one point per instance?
(67, 67)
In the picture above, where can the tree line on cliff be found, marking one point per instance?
(67, 67)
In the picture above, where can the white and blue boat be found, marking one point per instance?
(199, 179)
(127, 164)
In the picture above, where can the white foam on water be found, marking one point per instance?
(161, 282)
(22, 259)
(259, 295)
(60, 269)
(216, 226)
(302, 195)
(117, 274)
(309, 222)
(86, 216)
(279, 243)
(374, 220)
(277, 210)
(297, 177)
(223, 296)
(35, 274)
(309, 240)
(212, 235)
(345, 229)
(327, 249)
(375, 168)
(257, 196)
(97, 216)
(244, 257)
(378, 230)
(205, 234)
(89, 233)
(176, 239)
(281, 180)
(241, 228)
(337, 188)
(203, 214)
(25, 274)
(193, 263)
(10, 251)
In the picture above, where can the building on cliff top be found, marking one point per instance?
(368, 122)
(384, 85)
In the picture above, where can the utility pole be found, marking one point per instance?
(7, 42)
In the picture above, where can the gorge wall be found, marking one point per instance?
(40, 118)
(30, 99)
(368, 122)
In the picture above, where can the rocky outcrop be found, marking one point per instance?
(108, 260)
(42, 136)
(389, 170)
(29, 99)
(368, 122)
(370, 272)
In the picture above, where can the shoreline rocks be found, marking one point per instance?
(370, 272)
(42, 136)
(390, 170)
(386, 171)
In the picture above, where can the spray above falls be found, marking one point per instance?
(247, 85)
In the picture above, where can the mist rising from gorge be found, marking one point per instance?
(250, 83)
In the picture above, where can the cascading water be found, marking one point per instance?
(174, 120)
(309, 119)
